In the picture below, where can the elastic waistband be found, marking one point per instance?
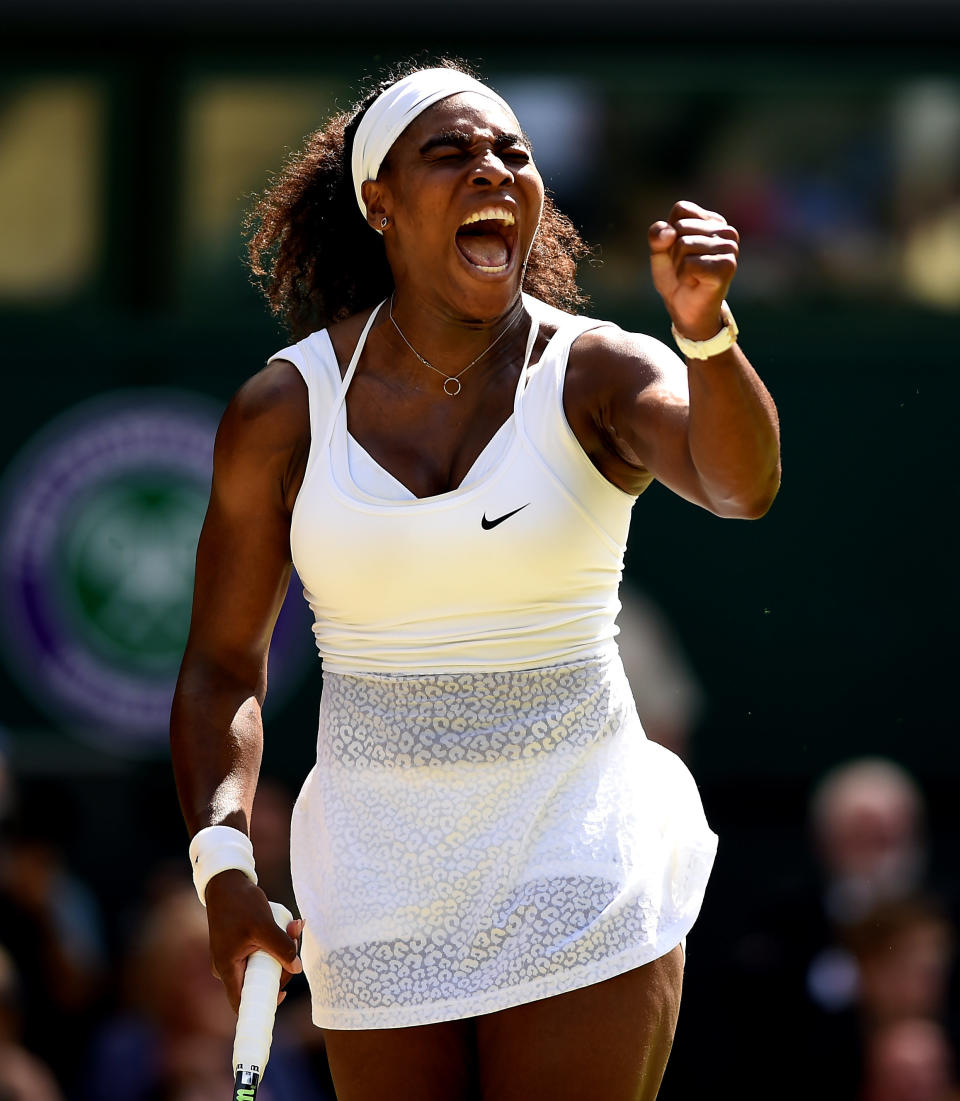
(604, 653)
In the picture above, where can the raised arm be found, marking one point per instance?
(707, 429)
(243, 568)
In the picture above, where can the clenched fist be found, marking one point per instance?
(693, 259)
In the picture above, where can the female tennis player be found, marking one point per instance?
(496, 870)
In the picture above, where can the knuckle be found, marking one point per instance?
(719, 260)
(694, 225)
(707, 263)
(693, 243)
(707, 228)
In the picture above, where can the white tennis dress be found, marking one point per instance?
(486, 823)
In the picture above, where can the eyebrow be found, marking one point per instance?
(462, 140)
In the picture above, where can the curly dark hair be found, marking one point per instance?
(317, 261)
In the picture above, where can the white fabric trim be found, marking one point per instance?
(393, 111)
(216, 849)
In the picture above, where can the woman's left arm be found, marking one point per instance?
(709, 430)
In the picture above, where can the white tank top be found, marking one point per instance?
(517, 567)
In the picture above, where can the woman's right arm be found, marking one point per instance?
(243, 568)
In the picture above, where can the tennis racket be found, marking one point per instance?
(258, 1007)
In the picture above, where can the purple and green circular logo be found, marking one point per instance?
(100, 519)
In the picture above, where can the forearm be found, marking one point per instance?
(216, 741)
(733, 435)
(216, 738)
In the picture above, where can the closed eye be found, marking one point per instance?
(455, 144)
(455, 156)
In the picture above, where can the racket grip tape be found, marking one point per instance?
(258, 1007)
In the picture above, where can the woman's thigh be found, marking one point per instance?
(607, 1042)
(421, 1063)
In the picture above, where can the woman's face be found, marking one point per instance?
(464, 198)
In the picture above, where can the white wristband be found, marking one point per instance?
(704, 349)
(216, 849)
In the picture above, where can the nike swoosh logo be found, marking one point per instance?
(488, 524)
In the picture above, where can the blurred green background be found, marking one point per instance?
(130, 144)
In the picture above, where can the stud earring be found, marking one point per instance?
(384, 221)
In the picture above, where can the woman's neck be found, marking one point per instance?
(444, 340)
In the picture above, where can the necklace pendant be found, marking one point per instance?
(451, 383)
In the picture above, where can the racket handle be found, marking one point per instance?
(258, 1007)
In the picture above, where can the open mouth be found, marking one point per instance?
(486, 239)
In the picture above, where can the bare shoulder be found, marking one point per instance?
(263, 439)
(609, 361)
(345, 335)
(269, 411)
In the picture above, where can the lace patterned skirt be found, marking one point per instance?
(471, 841)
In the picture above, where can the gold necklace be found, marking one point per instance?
(447, 379)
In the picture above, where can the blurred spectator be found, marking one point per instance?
(867, 822)
(868, 826)
(903, 952)
(174, 1041)
(926, 139)
(668, 697)
(50, 923)
(851, 945)
(910, 1060)
(22, 1077)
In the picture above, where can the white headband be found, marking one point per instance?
(393, 111)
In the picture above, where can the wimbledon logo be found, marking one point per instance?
(100, 520)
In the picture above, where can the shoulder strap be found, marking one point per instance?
(526, 370)
(349, 373)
